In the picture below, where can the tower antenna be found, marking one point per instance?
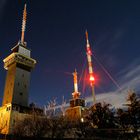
(91, 76)
(23, 24)
(75, 94)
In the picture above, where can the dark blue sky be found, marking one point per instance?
(56, 35)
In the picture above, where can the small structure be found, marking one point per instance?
(74, 112)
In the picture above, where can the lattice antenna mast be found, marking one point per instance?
(23, 24)
(90, 68)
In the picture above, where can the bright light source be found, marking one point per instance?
(89, 51)
(92, 78)
(82, 120)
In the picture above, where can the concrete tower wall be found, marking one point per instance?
(21, 87)
(9, 85)
(16, 86)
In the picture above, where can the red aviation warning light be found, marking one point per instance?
(89, 51)
(92, 79)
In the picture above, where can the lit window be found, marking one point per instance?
(8, 108)
(21, 93)
(6, 123)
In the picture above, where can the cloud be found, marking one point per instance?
(130, 67)
(129, 78)
(115, 98)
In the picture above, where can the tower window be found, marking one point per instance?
(18, 83)
(6, 123)
(14, 121)
(25, 86)
(8, 108)
(22, 75)
(21, 93)
(16, 108)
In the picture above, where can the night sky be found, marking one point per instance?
(55, 33)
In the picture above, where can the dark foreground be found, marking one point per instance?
(107, 136)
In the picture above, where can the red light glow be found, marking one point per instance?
(92, 78)
(89, 51)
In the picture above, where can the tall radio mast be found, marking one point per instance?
(90, 68)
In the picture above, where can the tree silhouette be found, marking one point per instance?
(128, 118)
(134, 111)
(101, 116)
(58, 127)
(100, 120)
(32, 126)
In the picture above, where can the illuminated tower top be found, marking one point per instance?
(87, 39)
(75, 94)
(23, 24)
